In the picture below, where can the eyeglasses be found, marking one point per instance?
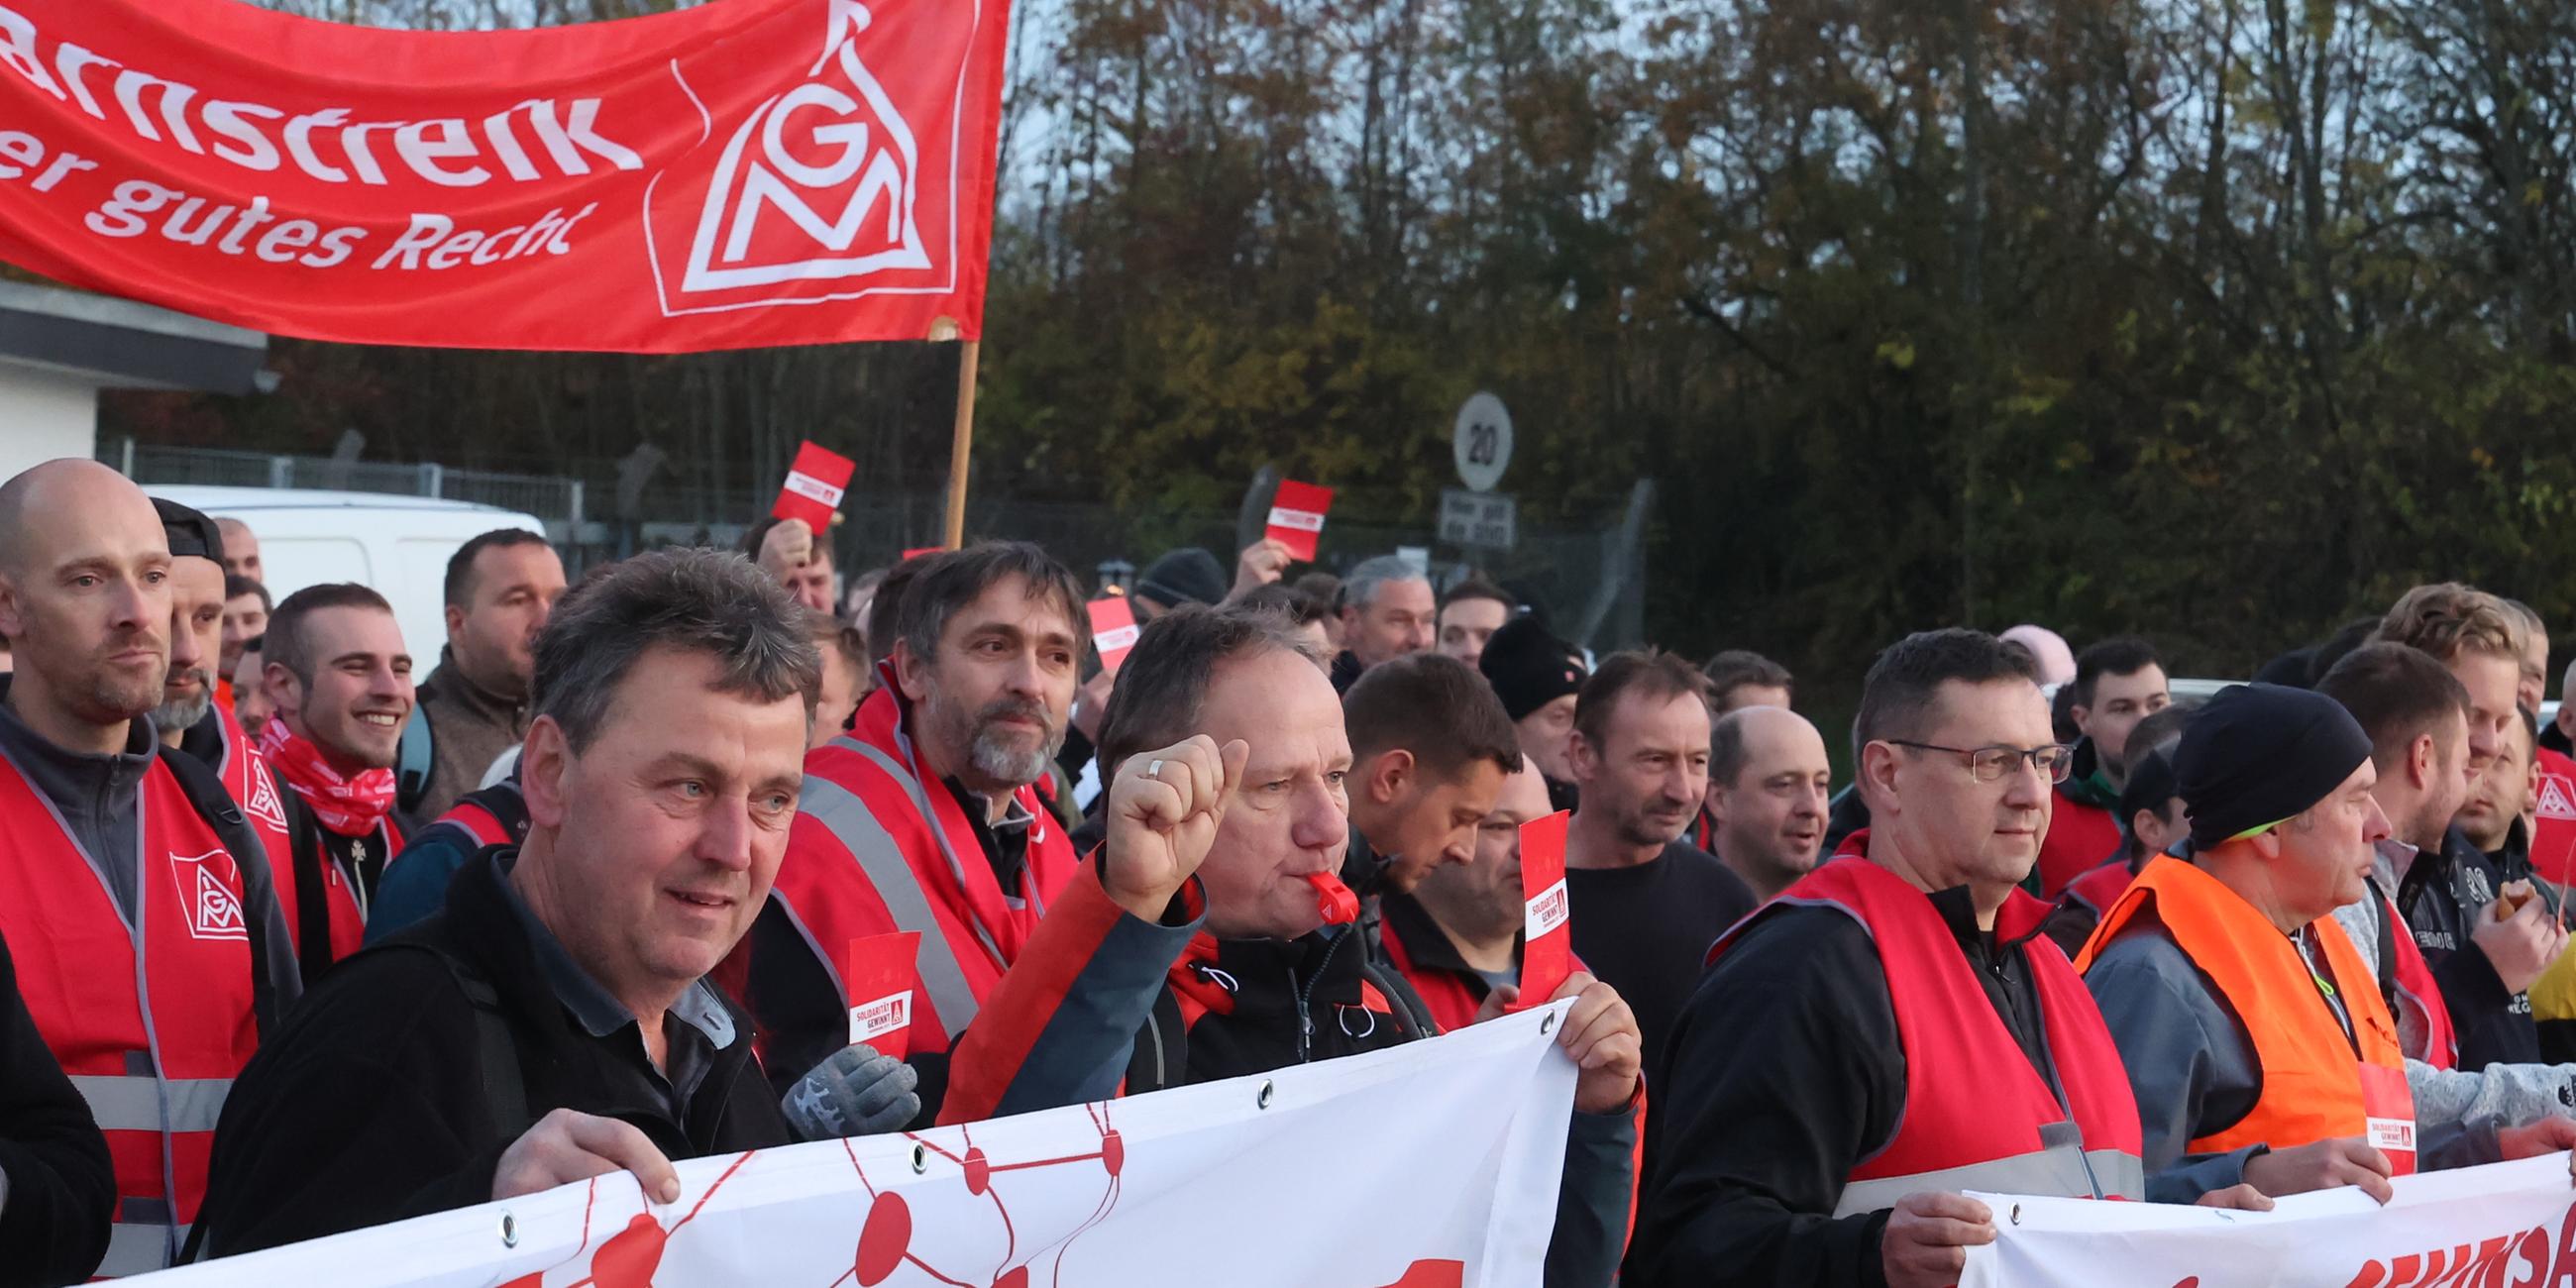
(1987, 764)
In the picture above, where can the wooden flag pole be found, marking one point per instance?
(959, 447)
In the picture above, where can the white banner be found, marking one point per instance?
(1430, 1165)
(2509, 1225)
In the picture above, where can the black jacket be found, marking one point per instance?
(2441, 896)
(381, 1100)
(1782, 1074)
(61, 1186)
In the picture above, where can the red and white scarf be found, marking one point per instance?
(346, 805)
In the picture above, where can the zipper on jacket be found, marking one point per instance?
(1305, 1019)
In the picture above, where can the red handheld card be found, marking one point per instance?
(1113, 630)
(877, 977)
(1546, 958)
(1297, 517)
(814, 487)
(918, 551)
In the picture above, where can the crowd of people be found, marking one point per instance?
(294, 945)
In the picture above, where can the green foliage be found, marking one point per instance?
(2219, 321)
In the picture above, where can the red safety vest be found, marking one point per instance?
(878, 848)
(348, 915)
(1977, 1115)
(253, 786)
(154, 1062)
(2078, 836)
(2101, 887)
(2553, 822)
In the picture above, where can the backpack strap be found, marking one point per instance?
(415, 760)
(312, 893)
(205, 791)
(497, 1052)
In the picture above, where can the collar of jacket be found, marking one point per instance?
(2085, 785)
(205, 741)
(78, 775)
(479, 927)
(1264, 978)
(451, 686)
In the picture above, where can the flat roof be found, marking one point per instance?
(122, 344)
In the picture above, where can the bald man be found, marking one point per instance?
(241, 551)
(133, 896)
(1769, 789)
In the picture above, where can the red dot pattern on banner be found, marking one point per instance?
(884, 1241)
(629, 1259)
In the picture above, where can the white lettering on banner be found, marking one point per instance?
(874, 172)
(889, 1014)
(1113, 640)
(2505, 1223)
(1469, 1128)
(806, 485)
(1300, 520)
(158, 109)
(1545, 911)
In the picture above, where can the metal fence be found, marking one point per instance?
(1590, 581)
(556, 500)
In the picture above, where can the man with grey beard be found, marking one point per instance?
(930, 814)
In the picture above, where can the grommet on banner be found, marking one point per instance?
(1547, 1024)
(1263, 1100)
(2016, 1214)
(920, 1158)
(509, 1231)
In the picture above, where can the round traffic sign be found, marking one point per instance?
(1482, 442)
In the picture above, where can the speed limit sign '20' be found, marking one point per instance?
(1482, 442)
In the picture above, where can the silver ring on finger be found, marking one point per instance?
(1154, 769)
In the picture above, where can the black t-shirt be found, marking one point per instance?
(1645, 930)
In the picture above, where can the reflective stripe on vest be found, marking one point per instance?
(848, 819)
(138, 1103)
(939, 836)
(2065, 1170)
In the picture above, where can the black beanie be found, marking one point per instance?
(2258, 754)
(190, 533)
(1188, 575)
(1528, 667)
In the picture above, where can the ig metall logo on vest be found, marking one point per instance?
(207, 895)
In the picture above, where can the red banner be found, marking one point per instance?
(747, 172)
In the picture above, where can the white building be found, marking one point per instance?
(59, 347)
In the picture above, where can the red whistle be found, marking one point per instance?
(1333, 899)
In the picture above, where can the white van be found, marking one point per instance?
(398, 545)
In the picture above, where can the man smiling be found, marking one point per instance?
(340, 679)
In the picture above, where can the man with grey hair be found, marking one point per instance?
(932, 813)
(1388, 610)
(554, 1022)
